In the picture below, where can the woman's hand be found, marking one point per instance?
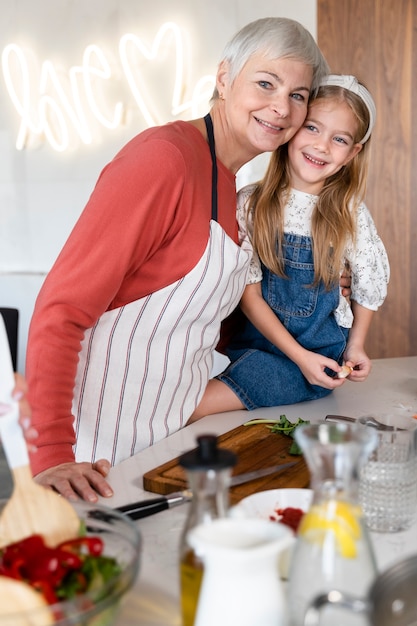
(71, 480)
(25, 413)
(78, 480)
(345, 283)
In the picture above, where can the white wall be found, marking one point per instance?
(42, 191)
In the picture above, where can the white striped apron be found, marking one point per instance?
(143, 367)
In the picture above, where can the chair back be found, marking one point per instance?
(11, 321)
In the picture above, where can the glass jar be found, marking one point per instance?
(208, 470)
(333, 550)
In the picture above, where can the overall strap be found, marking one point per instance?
(210, 135)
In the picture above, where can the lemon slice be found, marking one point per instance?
(336, 517)
(20, 605)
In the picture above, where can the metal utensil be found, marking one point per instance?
(366, 420)
(144, 508)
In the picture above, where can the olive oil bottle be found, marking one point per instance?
(208, 470)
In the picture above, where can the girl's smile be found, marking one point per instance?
(323, 145)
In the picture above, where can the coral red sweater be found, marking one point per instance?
(145, 225)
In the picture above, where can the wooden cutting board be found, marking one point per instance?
(256, 447)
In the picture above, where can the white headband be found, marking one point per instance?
(351, 83)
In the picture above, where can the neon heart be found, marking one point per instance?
(133, 74)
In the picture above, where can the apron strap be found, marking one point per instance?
(210, 136)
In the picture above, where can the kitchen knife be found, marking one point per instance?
(144, 508)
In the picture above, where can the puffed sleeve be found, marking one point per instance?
(369, 263)
(255, 271)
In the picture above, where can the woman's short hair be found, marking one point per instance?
(276, 37)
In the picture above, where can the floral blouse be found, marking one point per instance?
(366, 255)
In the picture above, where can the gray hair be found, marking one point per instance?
(276, 37)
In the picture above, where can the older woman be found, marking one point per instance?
(122, 337)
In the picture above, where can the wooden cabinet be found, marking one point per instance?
(376, 41)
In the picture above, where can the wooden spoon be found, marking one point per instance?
(32, 509)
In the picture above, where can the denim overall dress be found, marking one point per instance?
(260, 374)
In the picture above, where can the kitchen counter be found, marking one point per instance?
(391, 388)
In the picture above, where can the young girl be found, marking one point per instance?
(306, 221)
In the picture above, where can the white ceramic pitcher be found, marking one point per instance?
(241, 583)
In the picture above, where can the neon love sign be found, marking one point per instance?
(58, 108)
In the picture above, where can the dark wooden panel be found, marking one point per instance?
(374, 39)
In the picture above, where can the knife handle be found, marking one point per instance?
(339, 418)
(138, 510)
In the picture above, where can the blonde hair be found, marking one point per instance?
(276, 37)
(334, 216)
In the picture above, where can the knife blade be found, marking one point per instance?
(246, 477)
(144, 508)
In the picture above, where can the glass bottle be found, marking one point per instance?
(208, 470)
(333, 550)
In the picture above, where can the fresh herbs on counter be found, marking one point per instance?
(284, 427)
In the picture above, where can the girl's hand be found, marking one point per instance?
(313, 367)
(361, 363)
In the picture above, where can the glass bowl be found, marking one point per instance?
(99, 607)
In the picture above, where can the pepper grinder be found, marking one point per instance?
(208, 470)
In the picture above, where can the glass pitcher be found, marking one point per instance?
(333, 550)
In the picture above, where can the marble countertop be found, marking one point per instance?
(391, 388)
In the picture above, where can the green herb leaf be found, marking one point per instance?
(284, 427)
(94, 573)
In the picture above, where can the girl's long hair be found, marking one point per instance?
(334, 216)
